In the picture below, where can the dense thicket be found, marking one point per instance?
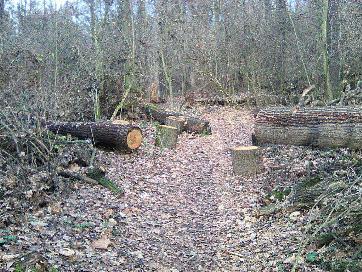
(82, 58)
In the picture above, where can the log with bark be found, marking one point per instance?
(222, 101)
(105, 134)
(321, 127)
(191, 125)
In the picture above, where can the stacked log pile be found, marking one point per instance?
(322, 127)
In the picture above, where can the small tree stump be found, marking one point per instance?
(246, 160)
(166, 136)
(176, 121)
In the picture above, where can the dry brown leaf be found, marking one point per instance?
(74, 167)
(9, 257)
(102, 243)
(67, 252)
(108, 213)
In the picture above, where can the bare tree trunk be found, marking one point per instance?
(334, 50)
(2, 10)
(326, 60)
(282, 13)
(92, 10)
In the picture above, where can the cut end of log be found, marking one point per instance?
(245, 148)
(120, 122)
(134, 138)
(168, 127)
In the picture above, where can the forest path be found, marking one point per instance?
(185, 209)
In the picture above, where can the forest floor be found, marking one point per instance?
(183, 210)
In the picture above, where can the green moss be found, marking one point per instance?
(312, 181)
(19, 268)
(111, 186)
(7, 239)
(99, 175)
(268, 210)
(312, 257)
(205, 132)
(151, 106)
(357, 227)
(345, 265)
(84, 225)
(95, 173)
(279, 194)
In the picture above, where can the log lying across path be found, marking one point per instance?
(106, 134)
(191, 124)
(322, 127)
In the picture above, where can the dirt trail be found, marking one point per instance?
(188, 202)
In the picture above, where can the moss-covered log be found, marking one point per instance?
(322, 127)
(191, 125)
(106, 134)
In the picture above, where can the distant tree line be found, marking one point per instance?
(81, 59)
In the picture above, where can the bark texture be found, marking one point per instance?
(246, 161)
(166, 136)
(322, 127)
(191, 125)
(106, 134)
(222, 101)
(176, 121)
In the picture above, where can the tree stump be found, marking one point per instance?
(246, 160)
(166, 136)
(176, 121)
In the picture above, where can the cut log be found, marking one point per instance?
(222, 101)
(166, 136)
(321, 127)
(192, 124)
(176, 121)
(106, 134)
(246, 161)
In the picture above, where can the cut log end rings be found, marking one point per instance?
(134, 138)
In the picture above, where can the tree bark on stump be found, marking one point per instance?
(246, 160)
(176, 121)
(166, 136)
(321, 127)
(106, 134)
(192, 124)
